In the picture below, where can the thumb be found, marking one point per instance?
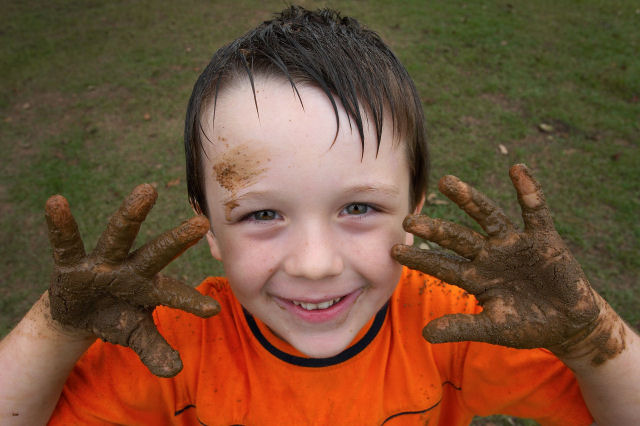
(154, 351)
(129, 326)
(457, 328)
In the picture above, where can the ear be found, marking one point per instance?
(214, 247)
(409, 236)
(420, 204)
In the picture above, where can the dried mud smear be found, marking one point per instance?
(532, 290)
(238, 168)
(606, 340)
(110, 293)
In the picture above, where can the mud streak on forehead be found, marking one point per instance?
(238, 168)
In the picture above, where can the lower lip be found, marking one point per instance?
(321, 315)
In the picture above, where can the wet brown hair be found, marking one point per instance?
(350, 63)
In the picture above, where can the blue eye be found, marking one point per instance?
(263, 215)
(357, 209)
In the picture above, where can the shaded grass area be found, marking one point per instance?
(93, 96)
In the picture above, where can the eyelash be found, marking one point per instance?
(254, 216)
(368, 208)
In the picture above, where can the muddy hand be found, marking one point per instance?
(111, 293)
(532, 290)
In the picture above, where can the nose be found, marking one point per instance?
(314, 254)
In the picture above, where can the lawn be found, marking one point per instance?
(93, 96)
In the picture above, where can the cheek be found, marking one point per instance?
(247, 264)
(372, 250)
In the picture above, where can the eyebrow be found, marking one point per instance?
(232, 202)
(234, 199)
(388, 190)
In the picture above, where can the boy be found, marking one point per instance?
(305, 151)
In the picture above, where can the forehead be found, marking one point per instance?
(291, 147)
(273, 108)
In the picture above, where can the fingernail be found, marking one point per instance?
(138, 204)
(169, 369)
(455, 189)
(145, 189)
(56, 209)
(427, 335)
(211, 308)
(408, 221)
(201, 223)
(196, 227)
(433, 335)
(55, 202)
(399, 249)
(517, 170)
(448, 183)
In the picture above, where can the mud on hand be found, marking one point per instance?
(532, 290)
(111, 293)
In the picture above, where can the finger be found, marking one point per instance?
(125, 325)
(458, 328)
(175, 294)
(64, 236)
(464, 241)
(440, 265)
(149, 259)
(535, 213)
(477, 205)
(154, 351)
(116, 240)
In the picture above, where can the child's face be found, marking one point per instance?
(304, 228)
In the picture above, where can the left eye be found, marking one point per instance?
(357, 209)
(264, 215)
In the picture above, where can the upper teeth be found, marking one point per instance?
(314, 306)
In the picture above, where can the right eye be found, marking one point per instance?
(263, 216)
(357, 209)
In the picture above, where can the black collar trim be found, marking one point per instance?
(343, 356)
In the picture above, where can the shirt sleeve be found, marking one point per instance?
(532, 384)
(109, 384)
(488, 379)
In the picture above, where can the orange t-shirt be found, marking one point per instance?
(237, 372)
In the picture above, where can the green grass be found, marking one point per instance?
(79, 78)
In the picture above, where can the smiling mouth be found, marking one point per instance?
(320, 311)
(315, 306)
